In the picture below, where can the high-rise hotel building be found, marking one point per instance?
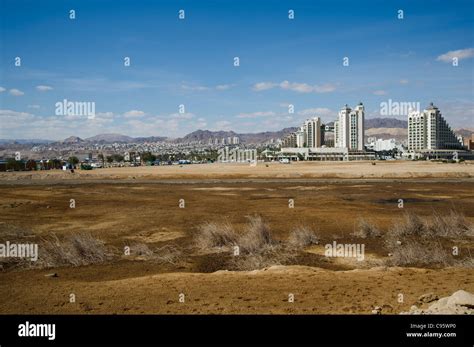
(428, 130)
(312, 131)
(310, 135)
(349, 128)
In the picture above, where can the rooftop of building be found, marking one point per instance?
(431, 106)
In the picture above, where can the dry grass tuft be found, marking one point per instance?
(420, 253)
(366, 229)
(170, 254)
(257, 238)
(454, 224)
(141, 250)
(215, 235)
(256, 245)
(302, 237)
(76, 250)
(416, 242)
(411, 225)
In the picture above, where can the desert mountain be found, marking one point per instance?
(110, 138)
(205, 135)
(385, 123)
(72, 139)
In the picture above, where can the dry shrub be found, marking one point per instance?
(366, 229)
(75, 250)
(302, 237)
(466, 262)
(414, 241)
(215, 235)
(257, 247)
(411, 225)
(417, 252)
(11, 232)
(141, 250)
(168, 254)
(408, 228)
(451, 226)
(257, 238)
(454, 224)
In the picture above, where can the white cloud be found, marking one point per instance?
(264, 86)
(42, 88)
(2, 89)
(221, 125)
(296, 87)
(325, 88)
(318, 111)
(194, 88)
(199, 88)
(99, 84)
(186, 115)
(380, 92)
(133, 114)
(256, 114)
(16, 92)
(404, 81)
(14, 114)
(13, 120)
(460, 54)
(224, 86)
(107, 115)
(34, 106)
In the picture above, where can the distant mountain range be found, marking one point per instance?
(205, 135)
(379, 127)
(24, 141)
(111, 138)
(385, 123)
(195, 136)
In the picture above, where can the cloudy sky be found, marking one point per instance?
(190, 62)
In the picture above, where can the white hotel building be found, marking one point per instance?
(308, 141)
(428, 131)
(313, 132)
(349, 128)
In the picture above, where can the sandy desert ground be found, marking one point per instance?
(140, 208)
(302, 170)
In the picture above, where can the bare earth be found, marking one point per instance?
(125, 205)
(363, 169)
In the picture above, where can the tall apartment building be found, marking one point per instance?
(312, 130)
(289, 141)
(349, 128)
(300, 137)
(428, 130)
(469, 143)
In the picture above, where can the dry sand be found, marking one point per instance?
(121, 211)
(354, 170)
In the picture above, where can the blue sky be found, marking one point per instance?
(190, 62)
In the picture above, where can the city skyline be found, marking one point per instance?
(190, 62)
